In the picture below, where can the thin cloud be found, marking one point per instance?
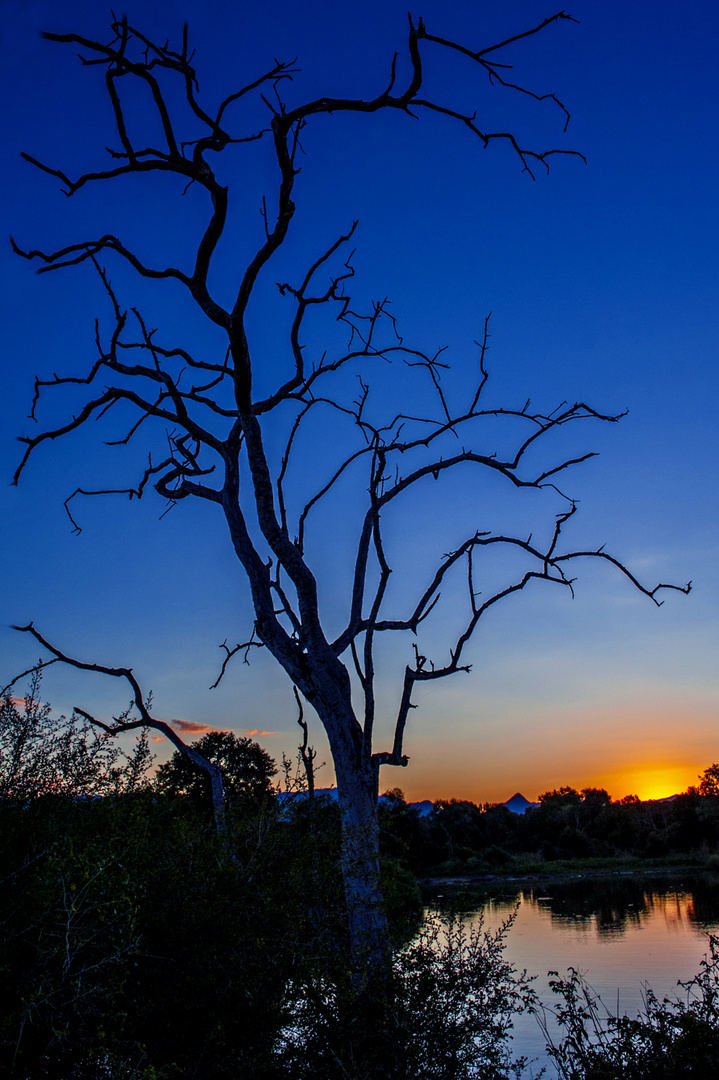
(191, 727)
(256, 731)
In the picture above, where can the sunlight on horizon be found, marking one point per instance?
(650, 781)
(653, 778)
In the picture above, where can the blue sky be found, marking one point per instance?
(602, 283)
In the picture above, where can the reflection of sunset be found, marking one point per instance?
(620, 935)
(676, 910)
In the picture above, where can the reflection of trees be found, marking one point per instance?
(704, 910)
(608, 906)
(614, 906)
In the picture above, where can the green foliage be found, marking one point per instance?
(138, 943)
(68, 927)
(130, 928)
(670, 1040)
(247, 770)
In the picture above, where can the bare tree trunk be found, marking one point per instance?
(328, 690)
(367, 922)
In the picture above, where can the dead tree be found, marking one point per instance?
(215, 424)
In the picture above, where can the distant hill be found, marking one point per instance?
(518, 804)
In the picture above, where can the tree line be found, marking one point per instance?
(460, 836)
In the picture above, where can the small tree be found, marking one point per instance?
(246, 768)
(136, 716)
(268, 440)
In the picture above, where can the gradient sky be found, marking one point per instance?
(602, 280)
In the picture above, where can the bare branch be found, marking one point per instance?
(600, 554)
(484, 374)
(492, 69)
(244, 646)
(307, 753)
(146, 720)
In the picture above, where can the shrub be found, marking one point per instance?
(670, 1040)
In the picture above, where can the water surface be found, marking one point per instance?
(623, 933)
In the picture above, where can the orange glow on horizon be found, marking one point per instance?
(653, 749)
(646, 780)
(650, 781)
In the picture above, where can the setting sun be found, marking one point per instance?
(651, 781)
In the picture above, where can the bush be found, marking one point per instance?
(43, 754)
(447, 1013)
(670, 1040)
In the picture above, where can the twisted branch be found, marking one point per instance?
(146, 719)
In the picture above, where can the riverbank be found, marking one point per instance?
(521, 873)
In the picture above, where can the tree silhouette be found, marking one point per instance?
(247, 769)
(269, 439)
(709, 780)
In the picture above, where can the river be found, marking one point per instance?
(622, 932)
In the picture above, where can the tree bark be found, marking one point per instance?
(328, 690)
(367, 921)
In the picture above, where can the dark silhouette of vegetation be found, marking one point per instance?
(246, 768)
(709, 781)
(43, 754)
(139, 942)
(137, 717)
(461, 837)
(672, 1039)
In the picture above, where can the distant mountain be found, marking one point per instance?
(518, 804)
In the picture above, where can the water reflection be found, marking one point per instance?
(610, 906)
(623, 933)
(615, 908)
